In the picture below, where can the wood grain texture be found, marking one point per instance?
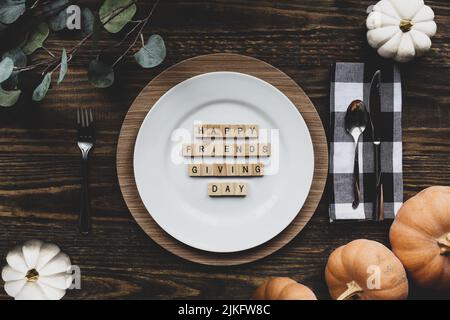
(191, 68)
(39, 162)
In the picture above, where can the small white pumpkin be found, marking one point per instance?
(37, 271)
(401, 29)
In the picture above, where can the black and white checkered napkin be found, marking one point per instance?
(350, 81)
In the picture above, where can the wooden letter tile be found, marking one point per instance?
(213, 131)
(231, 170)
(240, 189)
(228, 150)
(251, 131)
(218, 149)
(214, 189)
(199, 130)
(227, 189)
(227, 131)
(245, 170)
(264, 149)
(239, 149)
(208, 150)
(220, 170)
(258, 169)
(207, 170)
(194, 170)
(251, 150)
(198, 149)
(186, 150)
(239, 131)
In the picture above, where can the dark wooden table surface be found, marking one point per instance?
(39, 161)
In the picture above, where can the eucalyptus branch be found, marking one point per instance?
(35, 14)
(49, 52)
(143, 24)
(71, 51)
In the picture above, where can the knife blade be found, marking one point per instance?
(376, 123)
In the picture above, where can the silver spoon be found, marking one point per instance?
(356, 120)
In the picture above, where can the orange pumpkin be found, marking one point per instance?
(283, 289)
(366, 270)
(420, 237)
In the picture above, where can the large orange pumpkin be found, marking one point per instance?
(366, 270)
(420, 237)
(283, 289)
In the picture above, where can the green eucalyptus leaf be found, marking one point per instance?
(11, 10)
(36, 39)
(100, 74)
(41, 90)
(110, 8)
(96, 32)
(20, 60)
(152, 53)
(18, 57)
(6, 68)
(87, 21)
(47, 8)
(64, 67)
(8, 98)
(59, 21)
(12, 82)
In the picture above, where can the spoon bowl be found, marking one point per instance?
(356, 119)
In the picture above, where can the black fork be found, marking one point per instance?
(85, 141)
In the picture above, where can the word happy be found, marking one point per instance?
(226, 131)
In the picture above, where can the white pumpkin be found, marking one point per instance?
(401, 29)
(37, 271)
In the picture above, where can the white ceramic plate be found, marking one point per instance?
(180, 204)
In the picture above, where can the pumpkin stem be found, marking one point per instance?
(406, 25)
(32, 275)
(352, 289)
(444, 243)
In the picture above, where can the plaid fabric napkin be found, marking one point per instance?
(350, 81)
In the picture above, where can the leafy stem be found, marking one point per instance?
(43, 16)
(143, 23)
(71, 52)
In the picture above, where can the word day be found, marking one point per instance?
(226, 170)
(231, 189)
(220, 149)
(226, 131)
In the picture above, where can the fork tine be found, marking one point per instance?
(78, 116)
(86, 117)
(91, 116)
(83, 123)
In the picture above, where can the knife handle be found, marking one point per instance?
(378, 205)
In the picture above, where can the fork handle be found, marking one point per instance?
(85, 209)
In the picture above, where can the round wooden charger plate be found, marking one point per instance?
(185, 70)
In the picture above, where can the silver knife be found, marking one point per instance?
(376, 122)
